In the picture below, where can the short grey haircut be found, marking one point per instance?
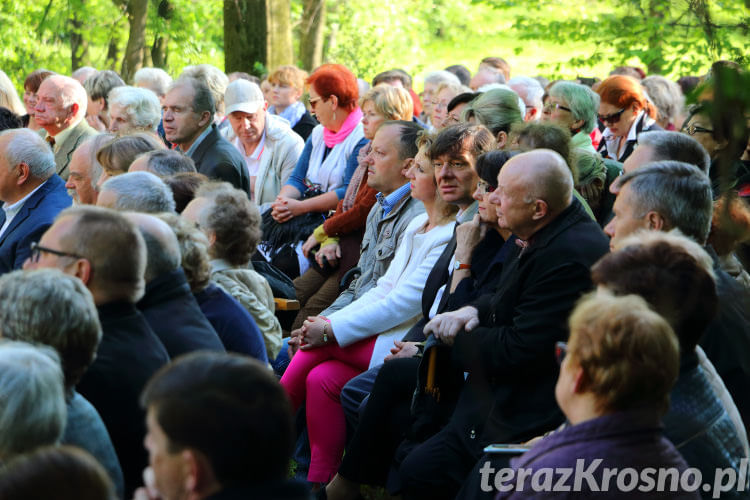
(100, 84)
(676, 146)
(97, 142)
(82, 73)
(141, 105)
(677, 191)
(32, 399)
(28, 147)
(162, 248)
(140, 192)
(666, 95)
(168, 162)
(213, 78)
(442, 76)
(203, 99)
(155, 79)
(582, 101)
(47, 306)
(496, 109)
(529, 90)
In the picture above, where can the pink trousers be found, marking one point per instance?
(316, 377)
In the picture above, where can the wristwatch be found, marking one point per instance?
(457, 265)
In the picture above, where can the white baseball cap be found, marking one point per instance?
(242, 95)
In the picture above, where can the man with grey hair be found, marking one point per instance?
(216, 81)
(188, 123)
(103, 249)
(61, 110)
(486, 74)
(137, 192)
(31, 389)
(530, 91)
(168, 292)
(133, 109)
(163, 163)
(155, 79)
(82, 73)
(661, 145)
(513, 330)
(667, 195)
(98, 86)
(31, 192)
(85, 170)
(70, 325)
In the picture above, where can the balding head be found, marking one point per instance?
(162, 247)
(61, 103)
(533, 189)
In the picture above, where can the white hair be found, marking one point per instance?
(71, 92)
(155, 79)
(141, 105)
(32, 398)
(491, 86)
(529, 89)
(140, 192)
(442, 76)
(28, 147)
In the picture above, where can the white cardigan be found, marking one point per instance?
(394, 304)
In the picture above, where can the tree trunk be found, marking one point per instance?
(133, 59)
(311, 33)
(79, 46)
(279, 41)
(245, 28)
(161, 40)
(657, 10)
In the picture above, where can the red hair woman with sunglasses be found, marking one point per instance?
(626, 112)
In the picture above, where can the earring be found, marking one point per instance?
(334, 116)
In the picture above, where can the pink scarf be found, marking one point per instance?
(332, 138)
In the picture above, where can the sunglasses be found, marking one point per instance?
(613, 118)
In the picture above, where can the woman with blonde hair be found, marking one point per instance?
(287, 84)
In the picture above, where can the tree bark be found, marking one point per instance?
(79, 46)
(279, 41)
(133, 59)
(161, 40)
(245, 28)
(311, 33)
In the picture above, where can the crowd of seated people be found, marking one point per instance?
(213, 287)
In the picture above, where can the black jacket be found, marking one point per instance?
(217, 158)
(509, 394)
(305, 125)
(128, 355)
(175, 317)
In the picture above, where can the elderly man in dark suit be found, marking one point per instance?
(61, 110)
(188, 123)
(31, 192)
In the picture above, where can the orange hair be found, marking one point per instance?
(335, 79)
(624, 91)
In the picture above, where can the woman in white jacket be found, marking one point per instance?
(337, 348)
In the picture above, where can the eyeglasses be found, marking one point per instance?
(485, 187)
(36, 250)
(549, 108)
(561, 350)
(693, 129)
(313, 102)
(439, 104)
(613, 118)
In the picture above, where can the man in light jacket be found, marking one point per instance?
(269, 146)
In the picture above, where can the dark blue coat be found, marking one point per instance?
(34, 218)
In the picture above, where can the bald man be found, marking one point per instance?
(168, 294)
(60, 110)
(506, 340)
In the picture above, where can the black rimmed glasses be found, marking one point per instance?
(37, 250)
(695, 129)
(613, 118)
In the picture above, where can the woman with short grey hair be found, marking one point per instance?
(496, 109)
(573, 106)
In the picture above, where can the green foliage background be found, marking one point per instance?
(555, 38)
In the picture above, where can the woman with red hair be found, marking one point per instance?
(626, 112)
(325, 166)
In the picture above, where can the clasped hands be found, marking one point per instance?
(284, 208)
(315, 332)
(446, 326)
